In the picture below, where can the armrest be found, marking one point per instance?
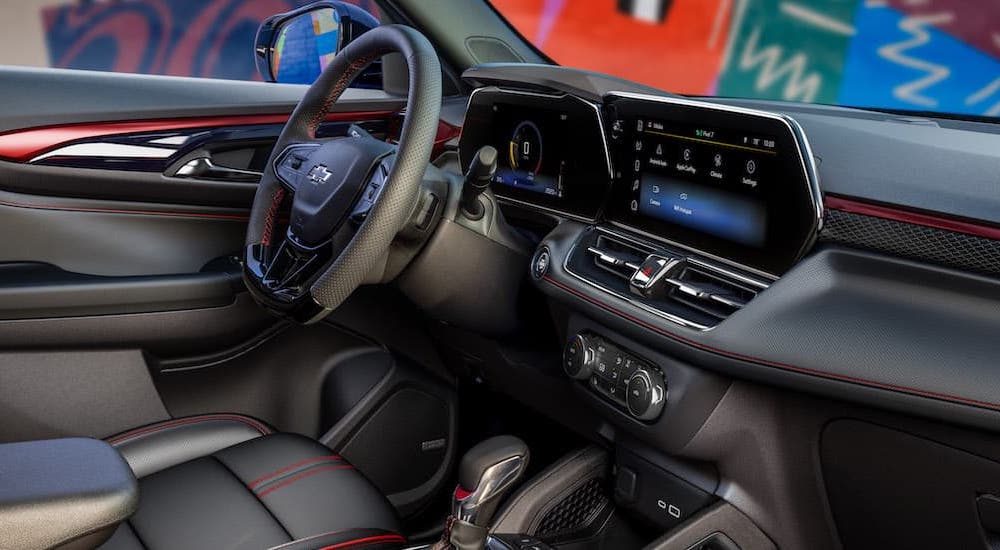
(63, 493)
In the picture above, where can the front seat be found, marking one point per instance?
(227, 481)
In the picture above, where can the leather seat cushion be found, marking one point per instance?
(266, 491)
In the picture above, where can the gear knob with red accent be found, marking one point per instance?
(487, 473)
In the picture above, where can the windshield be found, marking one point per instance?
(915, 55)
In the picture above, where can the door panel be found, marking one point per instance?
(108, 266)
(115, 238)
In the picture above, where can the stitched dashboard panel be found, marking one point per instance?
(917, 242)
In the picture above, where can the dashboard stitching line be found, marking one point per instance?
(765, 362)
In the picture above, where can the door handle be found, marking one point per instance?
(204, 168)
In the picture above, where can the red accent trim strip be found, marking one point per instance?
(765, 362)
(303, 475)
(446, 132)
(901, 214)
(291, 467)
(25, 144)
(367, 541)
(229, 217)
(127, 436)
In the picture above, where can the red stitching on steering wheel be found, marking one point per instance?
(338, 88)
(272, 211)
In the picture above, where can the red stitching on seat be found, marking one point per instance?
(121, 438)
(367, 541)
(395, 536)
(301, 476)
(290, 467)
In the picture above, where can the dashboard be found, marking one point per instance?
(862, 289)
(734, 185)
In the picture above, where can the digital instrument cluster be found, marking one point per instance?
(552, 151)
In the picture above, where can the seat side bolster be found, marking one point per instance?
(159, 446)
(347, 539)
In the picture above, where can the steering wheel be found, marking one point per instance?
(349, 196)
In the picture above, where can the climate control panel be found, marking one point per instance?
(619, 376)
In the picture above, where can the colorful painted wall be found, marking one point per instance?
(205, 38)
(934, 55)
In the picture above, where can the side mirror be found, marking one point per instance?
(296, 46)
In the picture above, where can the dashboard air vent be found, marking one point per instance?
(675, 284)
(710, 291)
(617, 256)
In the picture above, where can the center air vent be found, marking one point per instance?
(671, 283)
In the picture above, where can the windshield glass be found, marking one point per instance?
(916, 55)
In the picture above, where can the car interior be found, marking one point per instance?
(445, 293)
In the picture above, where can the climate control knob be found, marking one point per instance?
(578, 358)
(645, 394)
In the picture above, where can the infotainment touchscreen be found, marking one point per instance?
(706, 179)
(552, 153)
(728, 182)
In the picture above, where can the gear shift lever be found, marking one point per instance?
(487, 472)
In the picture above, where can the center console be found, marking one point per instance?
(63, 493)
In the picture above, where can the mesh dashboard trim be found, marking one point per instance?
(908, 240)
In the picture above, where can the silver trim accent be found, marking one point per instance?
(806, 159)
(173, 140)
(494, 481)
(649, 309)
(765, 274)
(662, 314)
(106, 150)
(657, 396)
(600, 126)
(203, 167)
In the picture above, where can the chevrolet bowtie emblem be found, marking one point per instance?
(319, 174)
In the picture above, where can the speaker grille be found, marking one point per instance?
(490, 50)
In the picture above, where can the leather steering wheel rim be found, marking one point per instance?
(347, 270)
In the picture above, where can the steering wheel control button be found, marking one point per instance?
(540, 263)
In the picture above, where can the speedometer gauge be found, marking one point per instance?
(526, 148)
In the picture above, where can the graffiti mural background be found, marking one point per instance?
(924, 55)
(204, 38)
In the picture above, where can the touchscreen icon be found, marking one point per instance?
(717, 160)
(751, 166)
